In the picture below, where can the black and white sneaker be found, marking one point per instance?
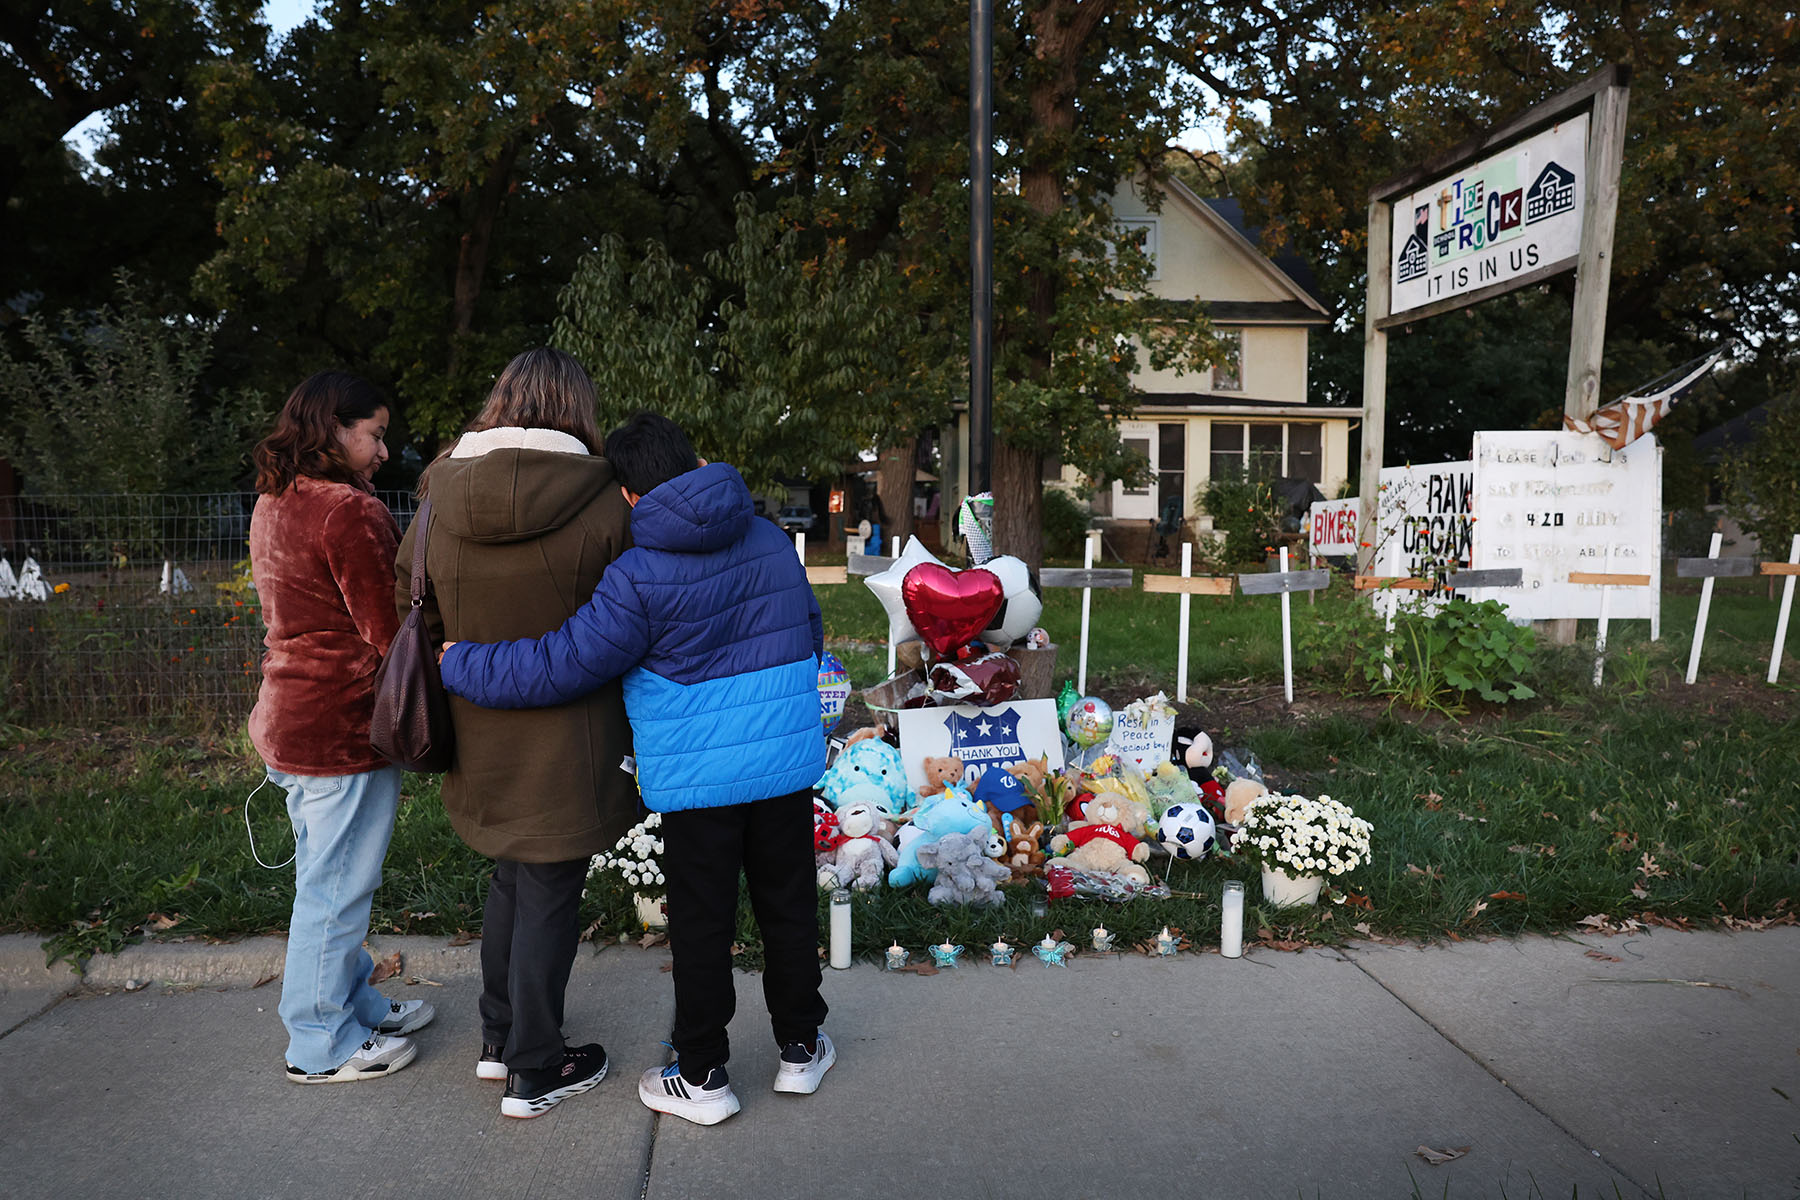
(705, 1103)
(376, 1058)
(533, 1093)
(405, 1016)
(490, 1065)
(803, 1066)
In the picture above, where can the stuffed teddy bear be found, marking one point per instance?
(857, 861)
(965, 874)
(941, 773)
(952, 811)
(1108, 838)
(868, 769)
(1032, 772)
(1238, 795)
(1024, 850)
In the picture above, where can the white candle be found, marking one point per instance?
(1101, 938)
(1231, 925)
(1049, 943)
(999, 947)
(840, 929)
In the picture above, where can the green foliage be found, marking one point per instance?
(1247, 510)
(111, 401)
(1065, 522)
(1435, 659)
(1762, 481)
(774, 359)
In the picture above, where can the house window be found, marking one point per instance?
(1148, 226)
(1228, 376)
(1267, 450)
(1171, 458)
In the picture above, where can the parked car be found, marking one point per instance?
(796, 518)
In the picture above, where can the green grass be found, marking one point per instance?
(1555, 803)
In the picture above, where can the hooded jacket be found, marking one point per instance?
(712, 623)
(523, 523)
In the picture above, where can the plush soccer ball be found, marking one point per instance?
(1186, 830)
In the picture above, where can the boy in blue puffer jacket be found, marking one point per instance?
(712, 623)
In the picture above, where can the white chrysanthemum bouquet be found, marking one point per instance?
(637, 857)
(1303, 836)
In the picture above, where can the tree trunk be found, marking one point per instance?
(1019, 503)
(472, 254)
(893, 487)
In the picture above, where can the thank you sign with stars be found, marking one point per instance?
(981, 737)
(1512, 214)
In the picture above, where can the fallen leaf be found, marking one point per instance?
(920, 968)
(161, 921)
(1438, 1158)
(1362, 927)
(269, 978)
(1506, 895)
(1358, 900)
(421, 981)
(1549, 815)
(655, 937)
(1637, 889)
(386, 968)
(666, 967)
(464, 937)
(1603, 957)
(1480, 905)
(1432, 800)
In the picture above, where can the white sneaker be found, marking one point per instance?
(663, 1089)
(801, 1069)
(405, 1016)
(376, 1058)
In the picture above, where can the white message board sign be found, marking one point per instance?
(1424, 523)
(1331, 527)
(1142, 744)
(1508, 215)
(981, 737)
(1551, 503)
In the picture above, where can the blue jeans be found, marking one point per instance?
(342, 825)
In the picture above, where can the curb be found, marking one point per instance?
(247, 963)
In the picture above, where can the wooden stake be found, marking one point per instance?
(1287, 639)
(1706, 590)
(1087, 596)
(1181, 650)
(1605, 613)
(1787, 604)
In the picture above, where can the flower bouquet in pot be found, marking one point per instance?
(1300, 841)
(637, 857)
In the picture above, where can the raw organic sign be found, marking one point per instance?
(1424, 523)
(1506, 216)
(1552, 503)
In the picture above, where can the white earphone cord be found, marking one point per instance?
(252, 833)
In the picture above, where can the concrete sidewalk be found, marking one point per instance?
(1674, 1071)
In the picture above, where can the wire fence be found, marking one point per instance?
(132, 608)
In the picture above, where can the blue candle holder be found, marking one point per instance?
(895, 957)
(1002, 954)
(945, 955)
(1053, 954)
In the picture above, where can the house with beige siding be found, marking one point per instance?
(1254, 414)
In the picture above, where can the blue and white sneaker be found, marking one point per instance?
(803, 1066)
(704, 1103)
(405, 1016)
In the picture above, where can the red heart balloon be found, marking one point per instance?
(947, 607)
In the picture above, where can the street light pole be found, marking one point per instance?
(981, 246)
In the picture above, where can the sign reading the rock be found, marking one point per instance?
(1552, 503)
(1508, 215)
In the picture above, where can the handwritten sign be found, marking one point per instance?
(1142, 744)
(1556, 503)
(1424, 526)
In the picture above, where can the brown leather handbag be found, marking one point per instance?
(411, 723)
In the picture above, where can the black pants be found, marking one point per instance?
(771, 842)
(528, 936)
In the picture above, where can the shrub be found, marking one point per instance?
(1246, 510)
(1762, 488)
(1065, 523)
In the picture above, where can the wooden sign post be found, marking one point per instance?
(1790, 568)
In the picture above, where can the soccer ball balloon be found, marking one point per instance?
(1186, 831)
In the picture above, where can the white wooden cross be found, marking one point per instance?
(1187, 587)
(1285, 583)
(1790, 569)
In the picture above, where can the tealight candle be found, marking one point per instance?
(1002, 954)
(896, 957)
(1167, 943)
(1103, 940)
(1049, 943)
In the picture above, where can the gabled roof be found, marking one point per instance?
(1290, 266)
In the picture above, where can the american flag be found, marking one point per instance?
(1630, 417)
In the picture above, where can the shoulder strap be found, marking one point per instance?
(423, 525)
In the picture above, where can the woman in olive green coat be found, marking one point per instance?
(524, 518)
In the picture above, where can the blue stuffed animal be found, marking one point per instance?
(952, 811)
(868, 769)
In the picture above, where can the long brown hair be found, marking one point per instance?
(304, 440)
(539, 389)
